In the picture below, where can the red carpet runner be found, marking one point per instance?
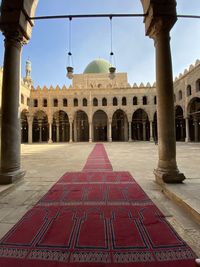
(94, 218)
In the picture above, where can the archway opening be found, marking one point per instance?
(81, 127)
(40, 127)
(24, 126)
(179, 124)
(141, 126)
(60, 127)
(100, 125)
(194, 119)
(119, 126)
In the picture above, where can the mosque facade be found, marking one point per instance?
(99, 106)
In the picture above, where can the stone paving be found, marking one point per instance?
(45, 164)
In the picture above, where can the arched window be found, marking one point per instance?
(144, 100)
(155, 100)
(84, 102)
(95, 102)
(35, 103)
(123, 101)
(22, 99)
(64, 102)
(104, 102)
(44, 102)
(75, 102)
(198, 85)
(189, 90)
(179, 95)
(115, 102)
(55, 102)
(28, 101)
(134, 100)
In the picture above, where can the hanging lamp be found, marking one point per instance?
(69, 68)
(112, 69)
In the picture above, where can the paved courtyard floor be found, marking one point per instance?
(46, 163)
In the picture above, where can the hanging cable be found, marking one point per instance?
(112, 69)
(70, 59)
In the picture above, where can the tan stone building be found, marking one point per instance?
(98, 107)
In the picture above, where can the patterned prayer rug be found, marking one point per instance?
(94, 218)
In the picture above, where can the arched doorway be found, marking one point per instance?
(141, 126)
(119, 126)
(40, 127)
(24, 127)
(179, 124)
(194, 119)
(81, 127)
(60, 127)
(100, 122)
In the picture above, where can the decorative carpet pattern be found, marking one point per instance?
(95, 218)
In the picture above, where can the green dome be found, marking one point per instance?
(98, 66)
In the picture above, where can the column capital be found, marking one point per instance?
(15, 18)
(30, 119)
(160, 16)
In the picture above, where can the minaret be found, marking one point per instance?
(28, 80)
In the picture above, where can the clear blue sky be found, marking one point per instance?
(134, 52)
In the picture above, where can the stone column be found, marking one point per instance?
(144, 130)
(151, 130)
(40, 131)
(10, 130)
(30, 129)
(195, 129)
(57, 133)
(158, 26)
(130, 131)
(138, 131)
(63, 132)
(50, 141)
(90, 132)
(187, 138)
(70, 132)
(110, 131)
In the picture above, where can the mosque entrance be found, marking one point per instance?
(100, 122)
(81, 126)
(119, 126)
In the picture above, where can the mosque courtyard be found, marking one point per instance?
(46, 163)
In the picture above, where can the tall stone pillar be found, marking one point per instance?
(17, 28)
(90, 131)
(10, 130)
(40, 131)
(187, 138)
(50, 120)
(138, 131)
(130, 131)
(151, 130)
(57, 132)
(70, 132)
(144, 130)
(158, 26)
(196, 129)
(110, 131)
(30, 129)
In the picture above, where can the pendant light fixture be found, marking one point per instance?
(70, 68)
(112, 69)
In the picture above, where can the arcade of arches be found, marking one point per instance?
(97, 107)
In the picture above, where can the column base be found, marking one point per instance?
(130, 140)
(50, 141)
(11, 177)
(151, 139)
(90, 140)
(168, 176)
(110, 140)
(70, 141)
(187, 140)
